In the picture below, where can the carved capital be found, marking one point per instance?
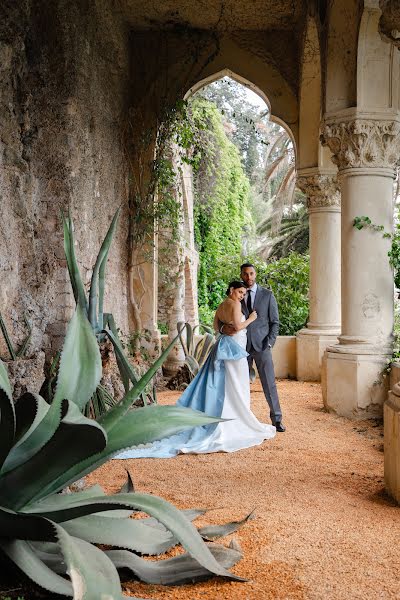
(360, 143)
(322, 191)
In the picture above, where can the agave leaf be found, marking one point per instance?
(193, 365)
(97, 288)
(42, 428)
(75, 439)
(173, 571)
(190, 513)
(65, 500)
(35, 406)
(128, 485)
(207, 329)
(199, 347)
(80, 365)
(124, 366)
(4, 381)
(115, 414)
(74, 274)
(30, 411)
(181, 327)
(7, 425)
(190, 337)
(213, 532)
(92, 573)
(7, 339)
(24, 346)
(30, 563)
(202, 351)
(139, 426)
(50, 554)
(24, 526)
(123, 533)
(166, 513)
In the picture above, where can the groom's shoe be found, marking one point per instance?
(280, 426)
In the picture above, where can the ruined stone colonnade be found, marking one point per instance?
(85, 86)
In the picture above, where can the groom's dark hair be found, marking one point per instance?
(247, 266)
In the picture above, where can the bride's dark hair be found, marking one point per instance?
(235, 285)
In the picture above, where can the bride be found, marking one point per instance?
(220, 389)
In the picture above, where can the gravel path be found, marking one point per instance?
(323, 526)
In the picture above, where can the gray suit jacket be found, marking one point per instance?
(263, 331)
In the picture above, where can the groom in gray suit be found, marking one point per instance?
(261, 336)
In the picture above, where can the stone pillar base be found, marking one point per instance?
(391, 419)
(310, 348)
(174, 361)
(353, 385)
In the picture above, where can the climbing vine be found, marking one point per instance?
(222, 208)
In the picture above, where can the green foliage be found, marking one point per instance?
(222, 209)
(14, 354)
(248, 120)
(292, 235)
(44, 448)
(288, 278)
(163, 328)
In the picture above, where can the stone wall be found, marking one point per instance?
(64, 80)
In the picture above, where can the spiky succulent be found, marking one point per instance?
(196, 352)
(45, 447)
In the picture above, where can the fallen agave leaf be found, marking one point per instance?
(178, 570)
(213, 532)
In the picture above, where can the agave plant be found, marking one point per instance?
(14, 354)
(196, 353)
(43, 448)
(103, 324)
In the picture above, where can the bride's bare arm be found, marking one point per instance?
(237, 317)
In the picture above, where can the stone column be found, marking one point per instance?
(323, 201)
(176, 357)
(365, 147)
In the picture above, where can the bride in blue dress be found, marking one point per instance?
(220, 389)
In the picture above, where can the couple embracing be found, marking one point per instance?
(248, 322)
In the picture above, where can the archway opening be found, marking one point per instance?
(239, 201)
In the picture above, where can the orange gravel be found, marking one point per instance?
(323, 526)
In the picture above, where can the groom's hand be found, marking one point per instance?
(228, 329)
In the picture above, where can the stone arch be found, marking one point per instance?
(341, 55)
(377, 65)
(249, 84)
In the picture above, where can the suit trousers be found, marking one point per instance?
(266, 372)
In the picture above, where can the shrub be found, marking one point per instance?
(288, 278)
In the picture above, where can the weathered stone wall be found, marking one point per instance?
(64, 93)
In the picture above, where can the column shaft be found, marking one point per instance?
(367, 290)
(365, 147)
(323, 201)
(325, 270)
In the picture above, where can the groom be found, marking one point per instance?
(261, 336)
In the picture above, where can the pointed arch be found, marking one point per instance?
(245, 82)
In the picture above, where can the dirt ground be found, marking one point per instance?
(323, 526)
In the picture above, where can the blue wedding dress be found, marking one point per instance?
(220, 389)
